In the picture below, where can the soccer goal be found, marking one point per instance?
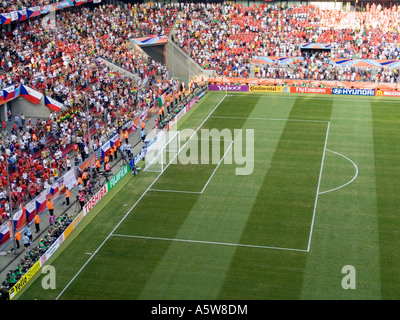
(162, 151)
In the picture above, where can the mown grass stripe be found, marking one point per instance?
(346, 230)
(386, 120)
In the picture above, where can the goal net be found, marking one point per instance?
(162, 151)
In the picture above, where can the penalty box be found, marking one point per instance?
(173, 185)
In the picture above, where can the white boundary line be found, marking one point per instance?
(208, 242)
(319, 184)
(347, 183)
(269, 119)
(220, 161)
(130, 210)
(178, 191)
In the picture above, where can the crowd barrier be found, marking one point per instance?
(90, 204)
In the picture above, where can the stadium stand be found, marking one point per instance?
(227, 37)
(61, 69)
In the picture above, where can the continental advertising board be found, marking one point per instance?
(266, 89)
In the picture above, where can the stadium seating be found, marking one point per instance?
(234, 34)
(64, 67)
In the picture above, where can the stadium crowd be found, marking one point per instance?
(317, 66)
(227, 37)
(62, 62)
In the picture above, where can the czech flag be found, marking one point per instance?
(22, 15)
(5, 18)
(54, 188)
(114, 139)
(104, 148)
(30, 210)
(41, 203)
(4, 233)
(11, 92)
(52, 104)
(30, 94)
(23, 209)
(19, 219)
(33, 12)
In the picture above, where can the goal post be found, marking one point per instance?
(162, 151)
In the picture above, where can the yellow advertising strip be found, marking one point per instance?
(68, 230)
(24, 280)
(265, 89)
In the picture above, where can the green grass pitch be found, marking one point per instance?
(323, 194)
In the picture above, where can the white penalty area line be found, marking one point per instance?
(209, 242)
(129, 211)
(318, 187)
(176, 191)
(220, 161)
